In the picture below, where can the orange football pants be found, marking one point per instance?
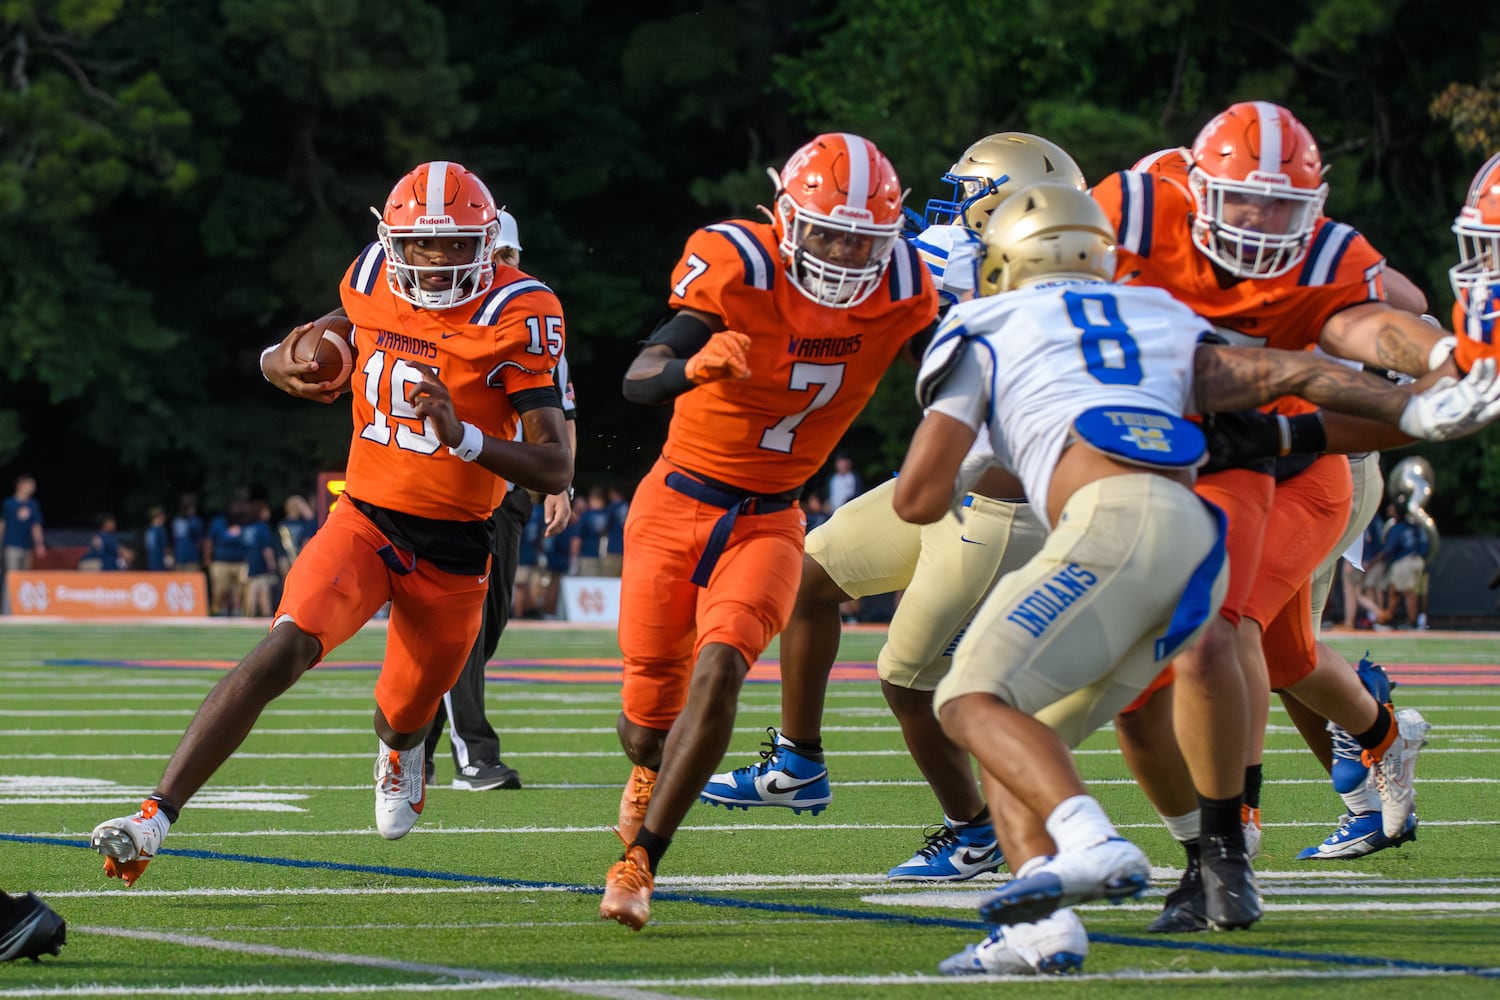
(1245, 497)
(1307, 519)
(337, 583)
(665, 618)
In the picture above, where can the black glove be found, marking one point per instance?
(1245, 439)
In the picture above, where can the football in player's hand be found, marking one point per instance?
(327, 343)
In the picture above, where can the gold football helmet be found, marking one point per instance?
(1046, 231)
(996, 167)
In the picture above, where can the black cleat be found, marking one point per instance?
(1186, 909)
(1232, 899)
(29, 928)
(485, 775)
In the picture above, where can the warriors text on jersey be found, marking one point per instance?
(506, 342)
(1153, 218)
(1028, 362)
(812, 368)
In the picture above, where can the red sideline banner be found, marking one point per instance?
(83, 594)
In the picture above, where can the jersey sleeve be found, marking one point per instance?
(953, 380)
(529, 336)
(717, 259)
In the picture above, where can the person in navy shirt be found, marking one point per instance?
(158, 542)
(187, 536)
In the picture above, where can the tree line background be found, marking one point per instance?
(181, 181)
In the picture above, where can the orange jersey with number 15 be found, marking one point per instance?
(812, 367)
(506, 342)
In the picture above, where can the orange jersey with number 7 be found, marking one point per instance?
(812, 368)
(505, 342)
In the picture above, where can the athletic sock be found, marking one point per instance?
(654, 846)
(1253, 778)
(811, 749)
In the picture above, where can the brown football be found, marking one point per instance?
(327, 343)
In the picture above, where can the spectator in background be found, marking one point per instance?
(224, 553)
(1404, 559)
(104, 553)
(814, 510)
(525, 599)
(843, 485)
(187, 535)
(261, 569)
(157, 541)
(297, 526)
(614, 539)
(23, 528)
(593, 529)
(562, 550)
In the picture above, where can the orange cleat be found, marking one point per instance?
(627, 890)
(633, 802)
(125, 871)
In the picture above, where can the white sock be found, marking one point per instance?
(1078, 823)
(1031, 865)
(1184, 828)
(1362, 800)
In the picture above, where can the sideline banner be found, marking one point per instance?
(83, 594)
(593, 599)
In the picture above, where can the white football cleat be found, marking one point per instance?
(1054, 945)
(1395, 773)
(400, 790)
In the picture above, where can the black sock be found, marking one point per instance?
(166, 807)
(1220, 818)
(811, 749)
(1194, 853)
(1371, 738)
(980, 818)
(1252, 786)
(654, 846)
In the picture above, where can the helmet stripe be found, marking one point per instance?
(1270, 137)
(437, 183)
(1481, 179)
(859, 170)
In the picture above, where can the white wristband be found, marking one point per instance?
(471, 445)
(263, 355)
(1440, 352)
(1284, 428)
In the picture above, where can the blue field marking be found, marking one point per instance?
(793, 908)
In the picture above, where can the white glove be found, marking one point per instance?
(1450, 408)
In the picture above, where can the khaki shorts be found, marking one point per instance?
(1407, 574)
(864, 547)
(1071, 637)
(1369, 487)
(959, 563)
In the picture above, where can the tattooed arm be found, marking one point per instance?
(1380, 335)
(1237, 378)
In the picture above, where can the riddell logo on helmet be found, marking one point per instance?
(1263, 177)
(850, 212)
(434, 220)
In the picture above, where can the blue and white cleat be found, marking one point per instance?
(952, 855)
(1052, 946)
(1113, 869)
(782, 778)
(1358, 835)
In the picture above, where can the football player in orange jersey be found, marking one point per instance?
(1258, 259)
(1476, 276)
(455, 353)
(779, 333)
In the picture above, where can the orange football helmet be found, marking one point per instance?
(837, 218)
(1476, 276)
(1173, 163)
(1257, 181)
(440, 199)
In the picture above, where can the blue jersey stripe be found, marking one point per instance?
(760, 270)
(368, 269)
(488, 313)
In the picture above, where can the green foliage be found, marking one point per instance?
(181, 181)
